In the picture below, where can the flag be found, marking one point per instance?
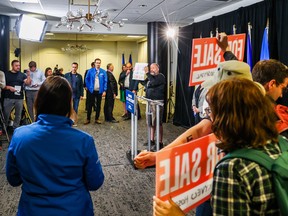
(249, 50)
(123, 59)
(130, 59)
(265, 48)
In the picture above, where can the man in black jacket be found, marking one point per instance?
(76, 82)
(122, 90)
(155, 90)
(87, 95)
(111, 93)
(131, 85)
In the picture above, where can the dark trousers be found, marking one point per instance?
(91, 100)
(108, 107)
(87, 101)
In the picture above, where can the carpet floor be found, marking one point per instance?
(126, 191)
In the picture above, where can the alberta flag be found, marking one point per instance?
(265, 48)
(249, 51)
(123, 59)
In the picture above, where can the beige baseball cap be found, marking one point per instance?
(228, 70)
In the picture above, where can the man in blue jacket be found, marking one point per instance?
(76, 83)
(96, 83)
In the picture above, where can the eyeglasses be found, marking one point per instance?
(207, 110)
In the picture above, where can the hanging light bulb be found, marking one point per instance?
(121, 23)
(80, 12)
(105, 15)
(64, 20)
(70, 26)
(80, 28)
(98, 20)
(69, 14)
(98, 13)
(83, 21)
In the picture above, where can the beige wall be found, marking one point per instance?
(49, 53)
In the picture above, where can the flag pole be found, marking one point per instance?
(249, 47)
(234, 29)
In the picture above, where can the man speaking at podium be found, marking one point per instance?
(155, 90)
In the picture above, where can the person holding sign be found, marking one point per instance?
(243, 118)
(272, 74)
(227, 70)
(242, 121)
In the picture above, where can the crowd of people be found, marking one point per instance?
(236, 105)
(97, 83)
(241, 114)
(53, 100)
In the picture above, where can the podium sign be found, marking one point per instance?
(130, 101)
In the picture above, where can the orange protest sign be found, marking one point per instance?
(206, 55)
(185, 172)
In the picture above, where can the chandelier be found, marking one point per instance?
(74, 48)
(98, 16)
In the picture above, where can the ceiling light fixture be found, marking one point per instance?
(98, 16)
(75, 48)
(72, 48)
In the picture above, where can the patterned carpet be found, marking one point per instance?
(126, 191)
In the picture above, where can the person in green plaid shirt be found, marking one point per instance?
(242, 117)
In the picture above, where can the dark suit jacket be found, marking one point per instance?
(111, 84)
(79, 83)
(133, 84)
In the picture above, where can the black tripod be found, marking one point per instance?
(25, 118)
(2, 119)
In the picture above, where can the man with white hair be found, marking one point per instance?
(155, 90)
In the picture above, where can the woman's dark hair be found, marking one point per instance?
(242, 115)
(54, 97)
(46, 71)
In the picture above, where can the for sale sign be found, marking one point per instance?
(185, 173)
(206, 55)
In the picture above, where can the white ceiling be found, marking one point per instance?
(181, 12)
(138, 12)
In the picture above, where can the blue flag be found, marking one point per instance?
(123, 59)
(249, 51)
(130, 59)
(265, 48)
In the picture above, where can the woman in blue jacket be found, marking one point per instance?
(56, 164)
